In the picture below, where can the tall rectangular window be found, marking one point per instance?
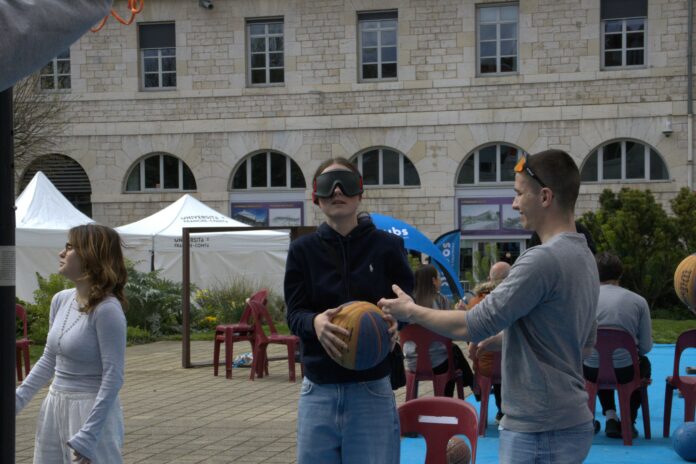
(56, 74)
(497, 39)
(623, 32)
(158, 55)
(377, 36)
(266, 62)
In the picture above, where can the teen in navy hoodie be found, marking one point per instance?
(344, 416)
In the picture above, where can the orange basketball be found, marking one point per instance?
(685, 281)
(368, 339)
(458, 451)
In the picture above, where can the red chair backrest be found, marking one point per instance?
(686, 339)
(423, 338)
(261, 297)
(438, 419)
(20, 313)
(608, 340)
(261, 317)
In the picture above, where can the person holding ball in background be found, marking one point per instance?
(344, 416)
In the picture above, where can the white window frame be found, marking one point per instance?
(247, 167)
(358, 161)
(498, 168)
(624, 49)
(266, 35)
(646, 160)
(379, 63)
(141, 167)
(160, 72)
(498, 22)
(55, 74)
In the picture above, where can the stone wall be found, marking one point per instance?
(436, 113)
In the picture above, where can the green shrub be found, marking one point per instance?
(636, 228)
(38, 312)
(138, 336)
(224, 304)
(154, 303)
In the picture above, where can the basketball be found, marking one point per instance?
(685, 281)
(458, 451)
(368, 339)
(684, 441)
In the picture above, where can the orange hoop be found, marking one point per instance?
(135, 7)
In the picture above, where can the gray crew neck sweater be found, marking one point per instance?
(547, 307)
(91, 359)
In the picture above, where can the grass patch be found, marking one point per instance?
(667, 330)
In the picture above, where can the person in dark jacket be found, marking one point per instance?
(344, 416)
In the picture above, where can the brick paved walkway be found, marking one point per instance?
(175, 415)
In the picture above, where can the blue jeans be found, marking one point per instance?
(567, 446)
(348, 423)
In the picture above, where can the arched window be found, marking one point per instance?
(624, 160)
(160, 171)
(490, 164)
(386, 167)
(268, 170)
(68, 177)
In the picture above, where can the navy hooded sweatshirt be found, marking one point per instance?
(371, 261)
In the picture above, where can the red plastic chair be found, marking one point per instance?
(423, 338)
(230, 333)
(262, 317)
(685, 384)
(22, 344)
(484, 385)
(438, 419)
(609, 340)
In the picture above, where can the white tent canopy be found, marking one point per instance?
(43, 217)
(216, 258)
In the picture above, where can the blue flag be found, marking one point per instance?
(449, 244)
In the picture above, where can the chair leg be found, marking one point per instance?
(229, 352)
(669, 393)
(291, 361)
(460, 388)
(216, 355)
(485, 388)
(689, 408)
(18, 364)
(646, 411)
(625, 414)
(27, 367)
(411, 387)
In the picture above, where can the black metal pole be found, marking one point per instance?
(7, 282)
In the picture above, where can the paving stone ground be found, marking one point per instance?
(175, 415)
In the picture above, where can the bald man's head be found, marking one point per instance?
(499, 271)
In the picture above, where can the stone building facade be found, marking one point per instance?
(454, 90)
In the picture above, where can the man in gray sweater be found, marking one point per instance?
(546, 308)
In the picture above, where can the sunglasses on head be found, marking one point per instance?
(325, 184)
(523, 166)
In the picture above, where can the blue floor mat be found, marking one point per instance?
(657, 450)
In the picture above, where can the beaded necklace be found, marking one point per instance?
(63, 330)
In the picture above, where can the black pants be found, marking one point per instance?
(623, 375)
(459, 363)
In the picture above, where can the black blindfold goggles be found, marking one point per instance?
(349, 182)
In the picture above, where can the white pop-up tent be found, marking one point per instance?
(43, 217)
(216, 258)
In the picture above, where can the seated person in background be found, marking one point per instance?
(622, 309)
(427, 293)
(482, 350)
